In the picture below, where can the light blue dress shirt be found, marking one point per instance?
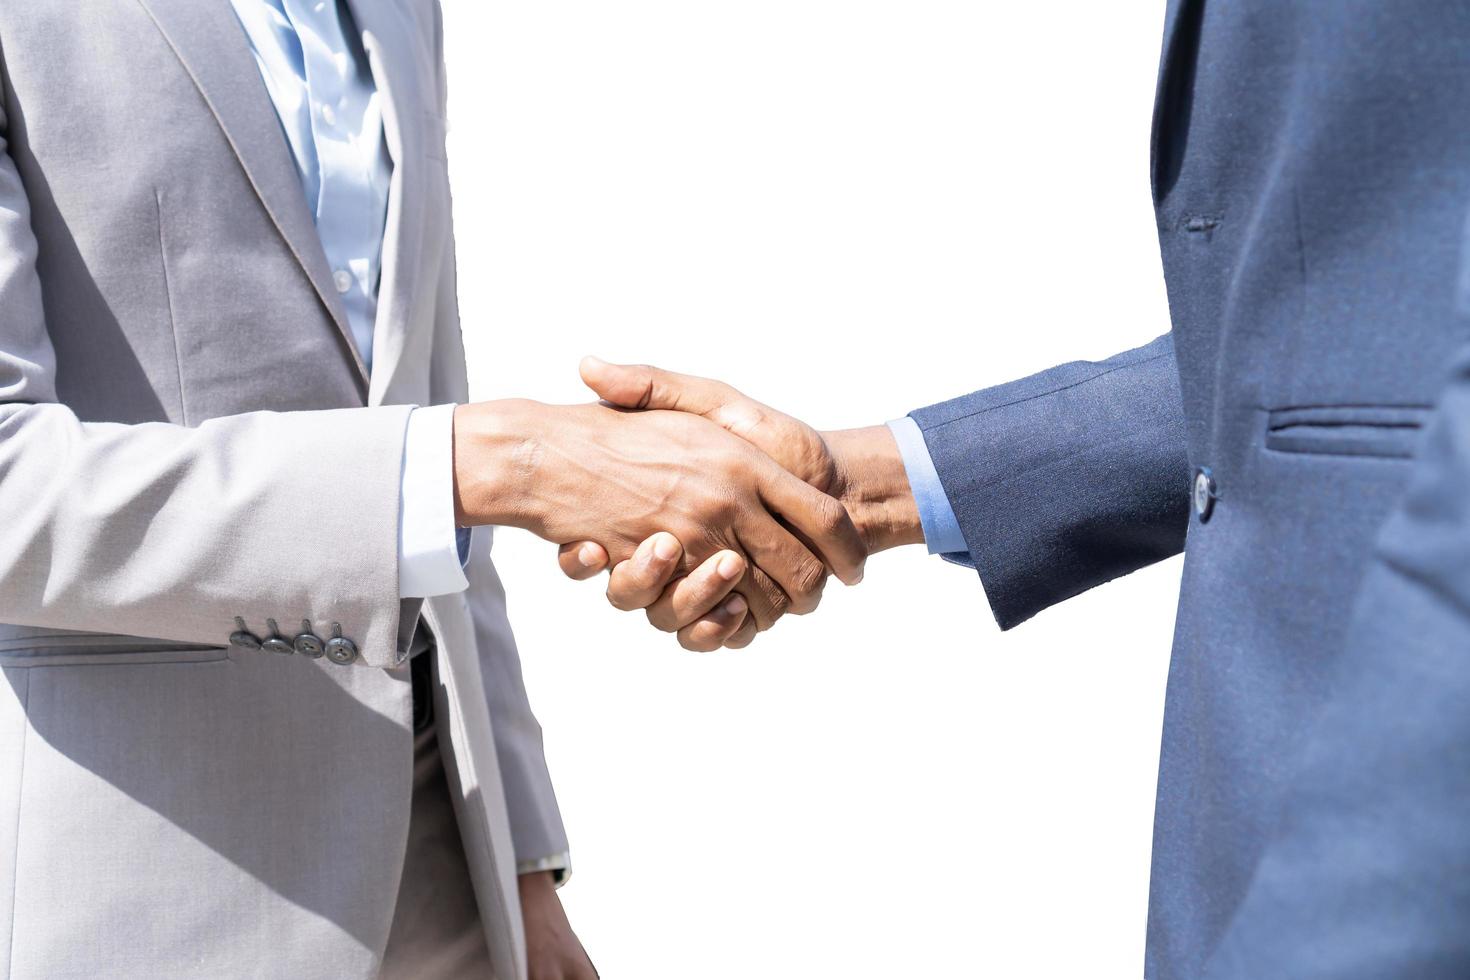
(942, 535)
(321, 85)
(323, 91)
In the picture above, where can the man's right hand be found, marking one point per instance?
(594, 473)
(861, 467)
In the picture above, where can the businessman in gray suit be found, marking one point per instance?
(262, 712)
(1302, 434)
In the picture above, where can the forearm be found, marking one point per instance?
(168, 532)
(521, 463)
(874, 486)
(495, 460)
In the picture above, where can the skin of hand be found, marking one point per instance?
(553, 951)
(594, 472)
(705, 611)
(861, 467)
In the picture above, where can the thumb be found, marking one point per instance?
(643, 387)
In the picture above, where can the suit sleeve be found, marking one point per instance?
(161, 531)
(1368, 871)
(1066, 479)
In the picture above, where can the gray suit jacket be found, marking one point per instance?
(187, 436)
(1304, 434)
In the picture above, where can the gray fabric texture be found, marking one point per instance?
(436, 933)
(187, 435)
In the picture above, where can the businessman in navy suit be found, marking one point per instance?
(1302, 434)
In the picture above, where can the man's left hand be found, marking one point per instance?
(553, 951)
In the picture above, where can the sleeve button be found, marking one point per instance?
(307, 643)
(340, 650)
(242, 637)
(275, 643)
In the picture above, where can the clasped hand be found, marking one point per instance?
(710, 604)
(658, 492)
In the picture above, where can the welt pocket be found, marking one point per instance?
(1381, 431)
(26, 648)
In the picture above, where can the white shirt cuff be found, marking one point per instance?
(560, 866)
(428, 546)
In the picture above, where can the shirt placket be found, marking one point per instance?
(345, 208)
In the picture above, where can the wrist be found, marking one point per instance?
(874, 487)
(498, 450)
(539, 882)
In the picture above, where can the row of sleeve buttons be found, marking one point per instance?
(338, 649)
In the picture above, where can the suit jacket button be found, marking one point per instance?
(341, 650)
(242, 637)
(307, 643)
(275, 643)
(1205, 493)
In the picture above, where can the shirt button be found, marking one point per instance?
(1205, 493)
(342, 279)
(329, 115)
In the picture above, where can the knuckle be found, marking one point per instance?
(741, 640)
(811, 579)
(695, 642)
(831, 515)
(660, 619)
(725, 508)
(778, 603)
(621, 595)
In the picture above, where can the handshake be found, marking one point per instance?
(716, 514)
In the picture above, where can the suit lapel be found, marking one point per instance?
(1169, 68)
(210, 42)
(388, 38)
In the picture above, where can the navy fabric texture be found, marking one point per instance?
(1096, 452)
(1311, 177)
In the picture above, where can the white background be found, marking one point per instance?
(851, 209)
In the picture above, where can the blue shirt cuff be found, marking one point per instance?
(942, 533)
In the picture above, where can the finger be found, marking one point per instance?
(582, 559)
(697, 593)
(793, 444)
(645, 387)
(774, 550)
(821, 520)
(767, 600)
(744, 636)
(712, 631)
(639, 581)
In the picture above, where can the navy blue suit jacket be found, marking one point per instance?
(1304, 435)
